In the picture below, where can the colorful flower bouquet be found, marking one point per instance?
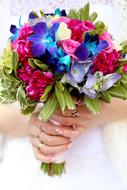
(54, 57)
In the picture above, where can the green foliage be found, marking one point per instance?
(53, 169)
(106, 96)
(69, 101)
(99, 28)
(92, 104)
(83, 14)
(46, 93)
(64, 98)
(124, 47)
(48, 108)
(36, 63)
(8, 87)
(60, 95)
(6, 59)
(27, 106)
(119, 91)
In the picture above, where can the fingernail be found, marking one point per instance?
(59, 131)
(70, 145)
(54, 122)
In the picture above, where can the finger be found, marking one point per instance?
(50, 128)
(54, 149)
(42, 157)
(53, 140)
(67, 121)
(69, 132)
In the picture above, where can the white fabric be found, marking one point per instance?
(88, 164)
(115, 137)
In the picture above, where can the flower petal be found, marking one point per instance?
(13, 29)
(101, 46)
(41, 29)
(38, 49)
(111, 80)
(35, 38)
(82, 52)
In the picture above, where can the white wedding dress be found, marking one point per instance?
(88, 163)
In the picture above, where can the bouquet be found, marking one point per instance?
(54, 57)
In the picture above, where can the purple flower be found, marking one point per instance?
(88, 89)
(90, 47)
(42, 38)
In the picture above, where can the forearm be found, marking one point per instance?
(113, 112)
(12, 122)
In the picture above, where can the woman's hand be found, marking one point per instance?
(46, 140)
(51, 138)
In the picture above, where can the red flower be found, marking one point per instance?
(106, 62)
(78, 28)
(21, 45)
(125, 68)
(36, 81)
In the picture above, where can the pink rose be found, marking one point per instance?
(62, 19)
(78, 28)
(70, 46)
(107, 37)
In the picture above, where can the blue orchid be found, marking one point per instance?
(57, 59)
(60, 13)
(15, 31)
(43, 38)
(90, 47)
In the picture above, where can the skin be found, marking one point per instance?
(58, 134)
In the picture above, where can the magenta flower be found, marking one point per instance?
(106, 62)
(38, 83)
(35, 80)
(21, 45)
(125, 68)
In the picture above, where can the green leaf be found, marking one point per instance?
(48, 108)
(85, 12)
(15, 62)
(99, 24)
(8, 88)
(105, 96)
(35, 62)
(73, 14)
(60, 96)
(42, 13)
(28, 110)
(92, 104)
(21, 97)
(6, 59)
(93, 17)
(119, 91)
(35, 14)
(69, 101)
(31, 63)
(41, 65)
(46, 93)
(124, 79)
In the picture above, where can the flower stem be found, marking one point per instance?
(53, 169)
